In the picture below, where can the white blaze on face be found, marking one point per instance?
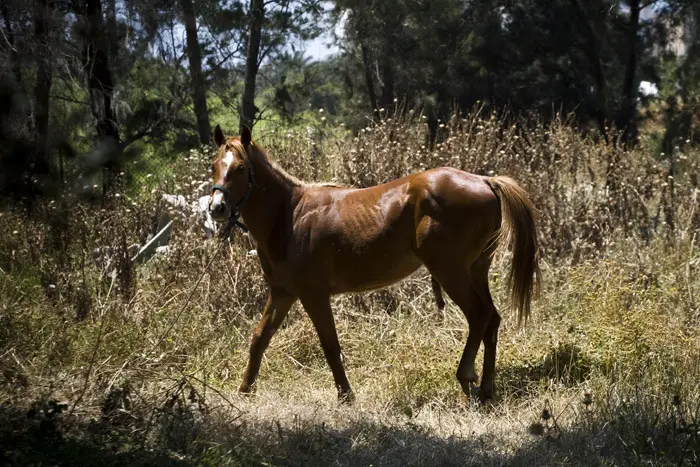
(228, 159)
(216, 198)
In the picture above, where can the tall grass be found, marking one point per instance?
(100, 367)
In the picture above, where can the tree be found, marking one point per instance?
(97, 71)
(248, 109)
(374, 29)
(194, 55)
(100, 85)
(536, 56)
(42, 87)
(626, 114)
(272, 26)
(9, 36)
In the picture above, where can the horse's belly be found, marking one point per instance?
(365, 244)
(372, 271)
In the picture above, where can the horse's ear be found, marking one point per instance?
(219, 137)
(246, 137)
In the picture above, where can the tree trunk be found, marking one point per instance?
(369, 79)
(199, 96)
(593, 52)
(99, 76)
(101, 87)
(248, 109)
(387, 99)
(626, 114)
(42, 88)
(112, 45)
(14, 54)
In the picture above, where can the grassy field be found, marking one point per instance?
(121, 370)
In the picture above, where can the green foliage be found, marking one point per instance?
(529, 56)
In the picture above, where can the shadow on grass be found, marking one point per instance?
(410, 445)
(566, 364)
(39, 436)
(33, 438)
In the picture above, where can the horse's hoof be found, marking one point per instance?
(483, 395)
(486, 388)
(475, 392)
(245, 389)
(468, 382)
(346, 397)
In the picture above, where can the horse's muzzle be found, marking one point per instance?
(217, 207)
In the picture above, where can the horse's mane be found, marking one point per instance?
(327, 184)
(261, 156)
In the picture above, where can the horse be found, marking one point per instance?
(317, 240)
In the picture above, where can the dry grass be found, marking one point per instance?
(606, 372)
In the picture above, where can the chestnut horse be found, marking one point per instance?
(316, 240)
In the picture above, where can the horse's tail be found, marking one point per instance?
(518, 228)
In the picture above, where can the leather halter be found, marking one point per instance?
(235, 211)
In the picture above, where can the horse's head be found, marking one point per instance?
(232, 174)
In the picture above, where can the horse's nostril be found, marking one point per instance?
(217, 208)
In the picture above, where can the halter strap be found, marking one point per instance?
(235, 212)
(223, 189)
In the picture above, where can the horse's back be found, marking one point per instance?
(452, 199)
(366, 238)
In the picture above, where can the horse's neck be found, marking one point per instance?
(271, 190)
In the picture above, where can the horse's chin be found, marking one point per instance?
(220, 219)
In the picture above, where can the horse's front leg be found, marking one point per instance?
(321, 314)
(278, 304)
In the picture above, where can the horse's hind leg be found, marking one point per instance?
(480, 282)
(437, 292)
(278, 304)
(490, 343)
(457, 282)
